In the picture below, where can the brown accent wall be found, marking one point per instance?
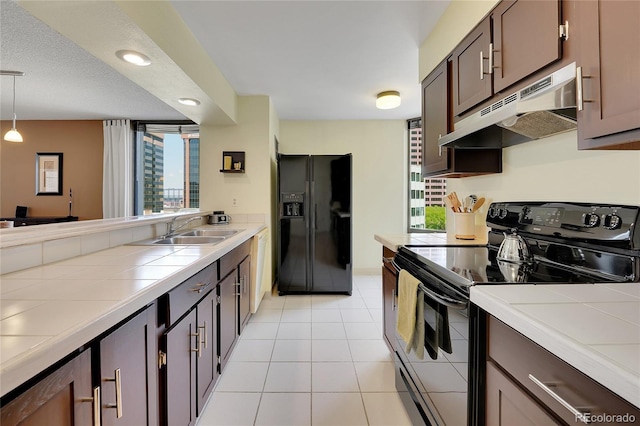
(81, 143)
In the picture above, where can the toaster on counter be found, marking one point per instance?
(219, 218)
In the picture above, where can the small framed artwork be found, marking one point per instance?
(49, 173)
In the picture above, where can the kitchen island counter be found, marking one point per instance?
(593, 327)
(51, 310)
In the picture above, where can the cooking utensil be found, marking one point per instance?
(467, 204)
(455, 202)
(477, 204)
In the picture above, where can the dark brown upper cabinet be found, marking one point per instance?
(436, 122)
(608, 81)
(518, 38)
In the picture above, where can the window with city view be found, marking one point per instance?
(426, 196)
(167, 168)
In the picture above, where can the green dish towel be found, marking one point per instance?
(410, 323)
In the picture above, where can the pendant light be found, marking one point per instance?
(13, 135)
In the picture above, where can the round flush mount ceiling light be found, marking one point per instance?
(388, 100)
(133, 57)
(189, 101)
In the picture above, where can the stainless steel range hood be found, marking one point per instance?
(542, 109)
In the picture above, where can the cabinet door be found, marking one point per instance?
(124, 368)
(228, 316)
(525, 39)
(471, 78)
(435, 119)
(508, 405)
(207, 316)
(60, 399)
(610, 64)
(389, 306)
(181, 342)
(244, 302)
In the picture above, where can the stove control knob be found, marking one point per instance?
(493, 212)
(502, 213)
(590, 220)
(611, 221)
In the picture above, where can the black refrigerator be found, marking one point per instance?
(314, 227)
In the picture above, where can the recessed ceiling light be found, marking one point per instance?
(388, 100)
(133, 57)
(189, 101)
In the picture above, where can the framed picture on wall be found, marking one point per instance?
(49, 173)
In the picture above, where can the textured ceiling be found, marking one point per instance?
(315, 59)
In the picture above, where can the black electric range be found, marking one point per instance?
(569, 243)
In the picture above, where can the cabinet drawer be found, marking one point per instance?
(187, 294)
(230, 261)
(519, 357)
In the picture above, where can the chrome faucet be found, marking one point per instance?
(172, 226)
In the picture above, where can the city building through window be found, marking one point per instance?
(426, 196)
(167, 167)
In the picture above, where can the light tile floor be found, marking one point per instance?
(311, 360)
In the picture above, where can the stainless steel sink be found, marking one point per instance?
(188, 240)
(212, 232)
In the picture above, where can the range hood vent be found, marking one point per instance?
(544, 108)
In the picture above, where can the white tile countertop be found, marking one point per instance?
(593, 327)
(49, 311)
(393, 241)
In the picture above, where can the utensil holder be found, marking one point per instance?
(464, 226)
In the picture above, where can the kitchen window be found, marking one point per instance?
(426, 196)
(167, 167)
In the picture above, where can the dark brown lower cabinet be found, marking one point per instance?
(509, 405)
(181, 342)
(127, 369)
(62, 398)
(207, 357)
(192, 368)
(228, 316)
(525, 382)
(244, 303)
(388, 298)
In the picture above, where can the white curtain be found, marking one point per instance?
(117, 175)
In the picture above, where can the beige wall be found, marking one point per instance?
(254, 134)
(379, 175)
(81, 143)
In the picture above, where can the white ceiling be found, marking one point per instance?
(316, 60)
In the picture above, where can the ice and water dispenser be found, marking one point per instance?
(292, 204)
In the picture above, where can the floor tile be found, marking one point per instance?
(327, 331)
(376, 376)
(385, 408)
(330, 350)
(260, 330)
(326, 315)
(283, 409)
(288, 377)
(334, 377)
(296, 315)
(252, 350)
(297, 302)
(230, 409)
(331, 409)
(243, 377)
(362, 330)
(292, 350)
(356, 315)
(353, 302)
(369, 350)
(294, 331)
(267, 315)
(325, 301)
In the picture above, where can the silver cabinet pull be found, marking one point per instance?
(481, 65)
(580, 100)
(394, 307)
(200, 287)
(95, 403)
(203, 334)
(244, 284)
(491, 52)
(579, 415)
(197, 350)
(239, 285)
(118, 382)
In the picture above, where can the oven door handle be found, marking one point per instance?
(446, 301)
